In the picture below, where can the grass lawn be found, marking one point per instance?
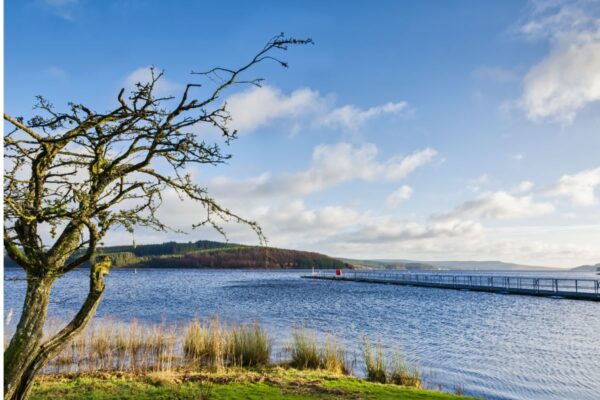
(275, 383)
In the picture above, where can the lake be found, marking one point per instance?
(491, 345)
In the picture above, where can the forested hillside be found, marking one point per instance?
(245, 257)
(209, 254)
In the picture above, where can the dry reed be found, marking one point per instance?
(401, 374)
(374, 362)
(307, 354)
(333, 357)
(248, 346)
(304, 350)
(140, 348)
(398, 372)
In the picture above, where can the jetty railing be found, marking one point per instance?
(543, 286)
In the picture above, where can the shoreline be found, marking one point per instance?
(267, 383)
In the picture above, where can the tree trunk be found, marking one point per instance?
(26, 355)
(27, 339)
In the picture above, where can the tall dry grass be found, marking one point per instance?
(334, 357)
(208, 343)
(248, 346)
(204, 343)
(307, 353)
(135, 347)
(374, 362)
(107, 346)
(304, 350)
(397, 372)
(195, 341)
(400, 373)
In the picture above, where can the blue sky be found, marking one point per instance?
(420, 130)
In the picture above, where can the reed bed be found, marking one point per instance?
(304, 350)
(214, 345)
(109, 346)
(374, 362)
(397, 371)
(133, 347)
(306, 353)
(334, 357)
(118, 347)
(402, 374)
(248, 346)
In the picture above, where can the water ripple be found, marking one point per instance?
(494, 346)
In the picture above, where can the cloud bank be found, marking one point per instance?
(568, 78)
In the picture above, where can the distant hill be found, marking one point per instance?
(587, 268)
(209, 254)
(391, 264)
(246, 257)
(448, 265)
(489, 266)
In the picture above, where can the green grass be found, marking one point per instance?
(275, 383)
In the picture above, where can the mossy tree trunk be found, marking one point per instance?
(27, 339)
(28, 352)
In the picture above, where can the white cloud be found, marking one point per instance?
(351, 117)
(399, 195)
(523, 187)
(285, 221)
(163, 87)
(258, 106)
(348, 231)
(580, 187)
(56, 73)
(291, 223)
(501, 205)
(65, 9)
(568, 79)
(342, 161)
(564, 83)
(558, 19)
(386, 230)
(295, 217)
(273, 199)
(534, 245)
(478, 183)
(331, 165)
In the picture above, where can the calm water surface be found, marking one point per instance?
(494, 346)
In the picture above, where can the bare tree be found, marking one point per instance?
(81, 173)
